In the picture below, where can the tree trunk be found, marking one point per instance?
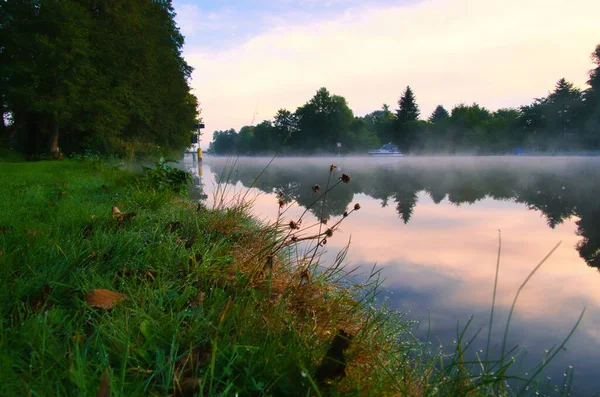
(54, 136)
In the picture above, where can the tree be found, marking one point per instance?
(564, 107)
(439, 114)
(245, 138)
(592, 103)
(381, 123)
(408, 110)
(224, 142)
(88, 74)
(264, 140)
(322, 122)
(286, 126)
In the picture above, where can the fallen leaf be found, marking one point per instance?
(122, 217)
(103, 298)
(104, 390)
(115, 211)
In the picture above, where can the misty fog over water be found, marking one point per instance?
(431, 224)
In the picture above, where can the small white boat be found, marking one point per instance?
(387, 150)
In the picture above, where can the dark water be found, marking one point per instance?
(431, 225)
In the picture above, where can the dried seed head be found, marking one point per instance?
(332, 167)
(281, 203)
(324, 242)
(329, 232)
(316, 188)
(345, 214)
(294, 225)
(356, 207)
(324, 221)
(345, 178)
(294, 239)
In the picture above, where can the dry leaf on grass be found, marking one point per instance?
(121, 217)
(103, 298)
(104, 390)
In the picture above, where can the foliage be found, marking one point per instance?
(408, 110)
(439, 114)
(83, 74)
(164, 177)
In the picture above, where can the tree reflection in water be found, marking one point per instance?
(558, 188)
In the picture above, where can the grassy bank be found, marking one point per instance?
(168, 298)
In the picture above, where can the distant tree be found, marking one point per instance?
(532, 118)
(361, 137)
(381, 123)
(439, 114)
(245, 138)
(405, 127)
(322, 122)
(264, 140)
(564, 107)
(286, 126)
(224, 142)
(408, 110)
(592, 103)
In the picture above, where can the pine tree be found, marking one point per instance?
(439, 114)
(409, 110)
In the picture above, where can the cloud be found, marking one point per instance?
(450, 51)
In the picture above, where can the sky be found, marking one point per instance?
(253, 57)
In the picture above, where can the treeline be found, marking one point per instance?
(567, 119)
(100, 75)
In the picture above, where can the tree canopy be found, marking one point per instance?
(100, 75)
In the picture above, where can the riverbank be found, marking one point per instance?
(165, 297)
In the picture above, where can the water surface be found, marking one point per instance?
(432, 226)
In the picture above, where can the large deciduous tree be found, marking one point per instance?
(322, 122)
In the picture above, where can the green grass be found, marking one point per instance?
(201, 314)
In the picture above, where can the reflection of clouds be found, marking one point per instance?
(466, 248)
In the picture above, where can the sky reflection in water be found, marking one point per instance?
(432, 226)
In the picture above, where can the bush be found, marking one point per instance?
(164, 177)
